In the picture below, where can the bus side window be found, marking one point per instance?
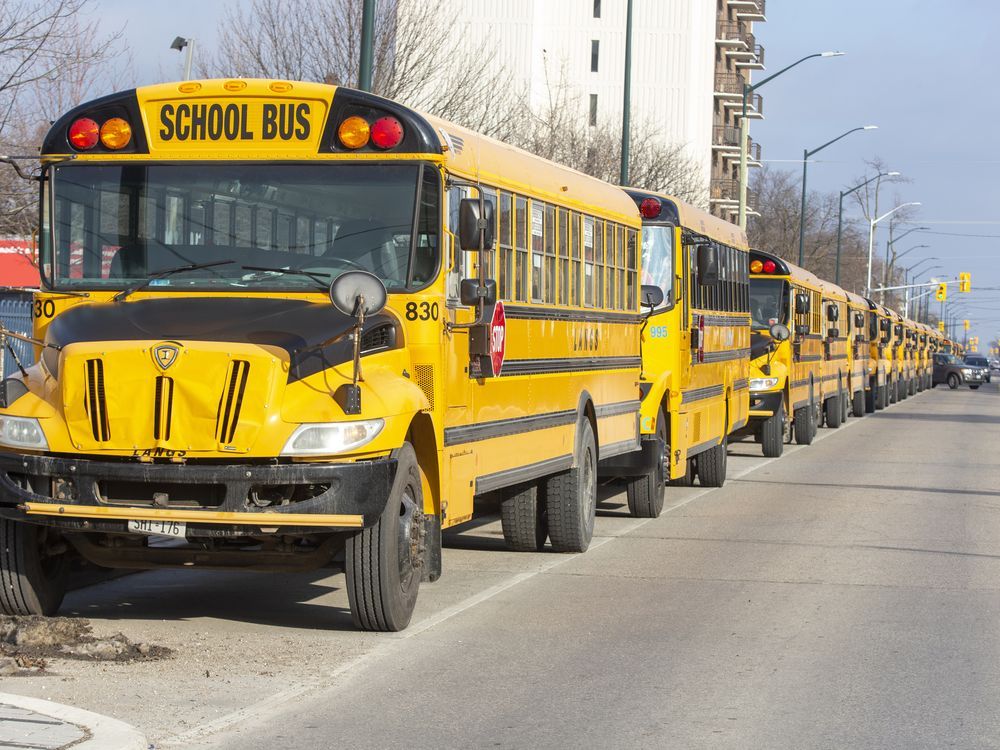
(631, 269)
(549, 272)
(456, 265)
(505, 270)
(521, 249)
(537, 251)
(562, 227)
(588, 261)
(576, 253)
(815, 313)
(599, 263)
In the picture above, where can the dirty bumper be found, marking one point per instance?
(213, 499)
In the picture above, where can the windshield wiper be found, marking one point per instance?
(165, 272)
(320, 278)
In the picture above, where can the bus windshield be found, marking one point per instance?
(768, 302)
(116, 224)
(658, 258)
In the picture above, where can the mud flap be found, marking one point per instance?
(431, 569)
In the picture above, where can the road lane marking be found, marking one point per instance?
(276, 702)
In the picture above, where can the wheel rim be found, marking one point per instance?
(408, 538)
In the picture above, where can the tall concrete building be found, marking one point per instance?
(688, 59)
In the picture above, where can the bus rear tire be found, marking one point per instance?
(833, 411)
(772, 433)
(32, 582)
(803, 423)
(858, 405)
(571, 498)
(382, 562)
(645, 493)
(712, 464)
(522, 518)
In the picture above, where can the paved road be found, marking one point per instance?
(845, 595)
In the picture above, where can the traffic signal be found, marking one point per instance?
(942, 293)
(941, 326)
(966, 325)
(964, 282)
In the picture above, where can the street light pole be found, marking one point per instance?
(627, 101)
(745, 128)
(806, 153)
(840, 211)
(892, 241)
(871, 240)
(367, 45)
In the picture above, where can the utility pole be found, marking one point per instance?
(627, 101)
(367, 44)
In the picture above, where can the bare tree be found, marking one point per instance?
(558, 131)
(776, 228)
(317, 40)
(49, 55)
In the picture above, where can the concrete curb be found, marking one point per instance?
(105, 733)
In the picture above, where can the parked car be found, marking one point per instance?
(976, 360)
(950, 370)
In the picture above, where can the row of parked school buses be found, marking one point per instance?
(291, 324)
(821, 353)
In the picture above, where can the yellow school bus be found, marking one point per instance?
(858, 353)
(835, 335)
(897, 384)
(695, 349)
(925, 338)
(881, 356)
(287, 323)
(788, 370)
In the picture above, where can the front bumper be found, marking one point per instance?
(765, 404)
(213, 499)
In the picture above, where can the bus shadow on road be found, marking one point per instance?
(286, 600)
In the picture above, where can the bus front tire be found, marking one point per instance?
(382, 562)
(571, 498)
(772, 434)
(32, 578)
(712, 464)
(645, 493)
(522, 518)
(858, 405)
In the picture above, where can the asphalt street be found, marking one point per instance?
(844, 595)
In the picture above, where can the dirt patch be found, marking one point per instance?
(28, 643)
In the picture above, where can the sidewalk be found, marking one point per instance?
(35, 724)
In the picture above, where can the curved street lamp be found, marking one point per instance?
(871, 240)
(748, 89)
(806, 153)
(840, 211)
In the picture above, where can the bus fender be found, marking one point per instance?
(653, 399)
(585, 410)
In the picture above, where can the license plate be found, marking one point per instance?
(158, 528)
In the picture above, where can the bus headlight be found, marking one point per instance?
(331, 437)
(763, 384)
(22, 432)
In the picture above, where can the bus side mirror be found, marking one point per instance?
(801, 303)
(471, 221)
(708, 265)
(471, 291)
(859, 320)
(779, 332)
(802, 329)
(833, 313)
(652, 295)
(833, 333)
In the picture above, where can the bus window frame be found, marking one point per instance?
(669, 296)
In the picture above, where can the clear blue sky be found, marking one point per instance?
(922, 71)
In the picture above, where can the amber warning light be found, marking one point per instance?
(384, 133)
(767, 266)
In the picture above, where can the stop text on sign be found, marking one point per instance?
(233, 122)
